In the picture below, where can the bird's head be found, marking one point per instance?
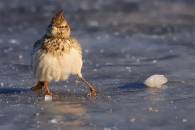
(58, 27)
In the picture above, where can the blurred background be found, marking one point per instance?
(25, 21)
(124, 42)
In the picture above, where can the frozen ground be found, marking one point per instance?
(124, 42)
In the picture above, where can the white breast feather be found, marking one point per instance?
(48, 67)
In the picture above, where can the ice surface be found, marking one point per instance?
(156, 81)
(124, 42)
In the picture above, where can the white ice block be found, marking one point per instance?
(156, 81)
(48, 98)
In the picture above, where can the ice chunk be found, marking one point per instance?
(1, 84)
(20, 57)
(184, 120)
(132, 120)
(53, 121)
(37, 114)
(151, 109)
(48, 98)
(14, 41)
(86, 51)
(93, 23)
(107, 128)
(156, 81)
(101, 50)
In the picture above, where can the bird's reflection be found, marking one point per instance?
(65, 113)
(75, 109)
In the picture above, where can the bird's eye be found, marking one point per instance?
(62, 26)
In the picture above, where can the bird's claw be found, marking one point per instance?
(36, 88)
(92, 93)
(49, 93)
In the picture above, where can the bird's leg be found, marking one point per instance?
(38, 86)
(46, 88)
(90, 87)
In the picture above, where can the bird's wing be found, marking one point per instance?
(36, 47)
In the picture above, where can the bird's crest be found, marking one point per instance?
(58, 18)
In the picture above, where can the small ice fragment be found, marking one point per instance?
(48, 98)
(37, 114)
(184, 120)
(109, 97)
(20, 56)
(156, 81)
(95, 70)
(86, 51)
(132, 120)
(53, 121)
(13, 41)
(154, 61)
(101, 50)
(128, 69)
(1, 84)
(107, 128)
(93, 23)
(153, 109)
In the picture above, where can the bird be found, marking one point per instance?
(57, 55)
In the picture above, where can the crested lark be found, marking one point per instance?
(57, 55)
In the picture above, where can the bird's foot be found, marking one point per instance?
(37, 87)
(48, 93)
(92, 93)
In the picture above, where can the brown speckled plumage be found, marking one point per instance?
(60, 46)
